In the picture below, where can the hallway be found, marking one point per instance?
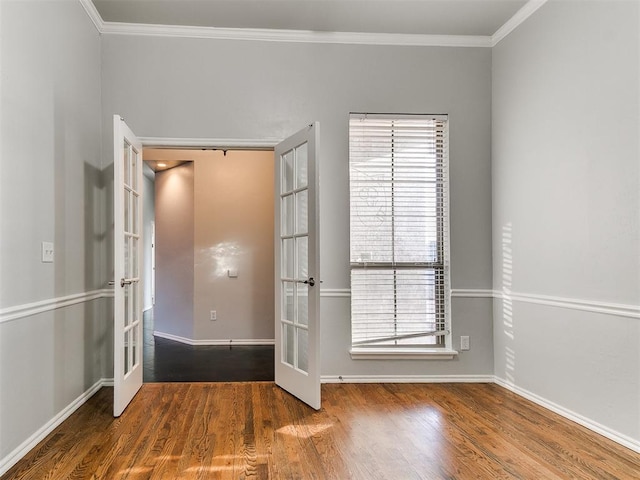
(170, 361)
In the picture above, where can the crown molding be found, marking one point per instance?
(93, 13)
(296, 36)
(304, 36)
(520, 16)
(237, 143)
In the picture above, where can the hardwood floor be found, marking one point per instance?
(364, 431)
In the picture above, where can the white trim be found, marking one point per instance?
(471, 293)
(407, 379)
(29, 309)
(617, 437)
(335, 292)
(94, 15)
(520, 16)
(296, 36)
(402, 354)
(226, 342)
(176, 142)
(617, 309)
(304, 36)
(19, 452)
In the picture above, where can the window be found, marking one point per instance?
(399, 232)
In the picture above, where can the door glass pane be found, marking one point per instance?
(303, 257)
(135, 299)
(134, 169)
(126, 161)
(301, 166)
(127, 255)
(287, 172)
(134, 258)
(126, 353)
(303, 349)
(287, 343)
(127, 211)
(301, 212)
(303, 304)
(287, 299)
(134, 212)
(127, 305)
(134, 346)
(287, 215)
(288, 258)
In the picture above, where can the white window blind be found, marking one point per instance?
(399, 230)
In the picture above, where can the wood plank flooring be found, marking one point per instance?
(364, 431)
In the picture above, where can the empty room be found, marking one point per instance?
(454, 284)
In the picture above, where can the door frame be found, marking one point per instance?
(265, 144)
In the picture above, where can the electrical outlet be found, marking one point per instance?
(464, 342)
(47, 252)
(214, 316)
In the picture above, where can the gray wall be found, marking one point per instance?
(177, 87)
(51, 189)
(566, 211)
(173, 313)
(148, 217)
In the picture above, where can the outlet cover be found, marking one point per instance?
(464, 342)
(214, 316)
(47, 252)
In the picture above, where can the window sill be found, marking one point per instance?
(402, 354)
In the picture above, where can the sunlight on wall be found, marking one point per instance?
(507, 301)
(221, 258)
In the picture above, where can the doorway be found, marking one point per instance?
(213, 317)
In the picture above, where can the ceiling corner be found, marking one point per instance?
(93, 13)
(519, 17)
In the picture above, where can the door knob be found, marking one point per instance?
(124, 282)
(311, 282)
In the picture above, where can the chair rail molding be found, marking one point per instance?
(29, 309)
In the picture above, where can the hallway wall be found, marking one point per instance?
(174, 208)
(216, 218)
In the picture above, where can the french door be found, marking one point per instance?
(297, 285)
(127, 213)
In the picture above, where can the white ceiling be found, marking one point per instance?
(426, 17)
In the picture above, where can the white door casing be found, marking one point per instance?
(297, 263)
(127, 213)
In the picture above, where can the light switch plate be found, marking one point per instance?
(464, 342)
(47, 252)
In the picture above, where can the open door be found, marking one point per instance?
(127, 213)
(297, 327)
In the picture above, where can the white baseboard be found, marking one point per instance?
(571, 415)
(224, 342)
(12, 458)
(406, 379)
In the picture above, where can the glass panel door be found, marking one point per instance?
(297, 263)
(127, 258)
